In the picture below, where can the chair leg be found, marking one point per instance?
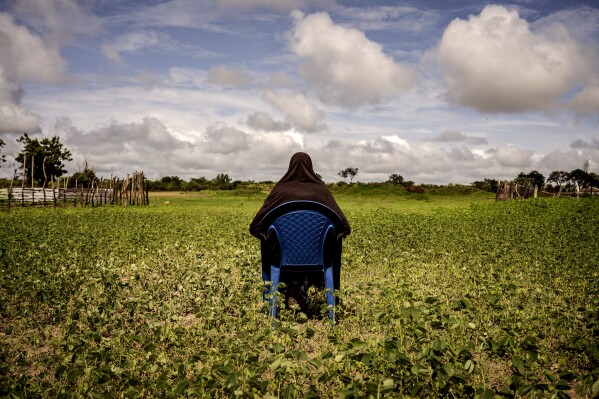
(330, 286)
(266, 280)
(275, 276)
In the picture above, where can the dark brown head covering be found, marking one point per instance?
(299, 183)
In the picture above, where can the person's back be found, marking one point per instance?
(299, 183)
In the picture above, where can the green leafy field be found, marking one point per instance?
(441, 296)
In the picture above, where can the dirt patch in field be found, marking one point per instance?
(187, 321)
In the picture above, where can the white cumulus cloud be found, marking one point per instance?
(123, 147)
(586, 102)
(568, 160)
(264, 122)
(223, 139)
(494, 62)
(343, 66)
(24, 58)
(14, 116)
(111, 52)
(298, 111)
(511, 156)
(60, 21)
(151, 146)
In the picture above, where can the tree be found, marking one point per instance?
(533, 177)
(174, 180)
(579, 176)
(47, 155)
(221, 179)
(559, 177)
(396, 179)
(85, 177)
(487, 185)
(199, 180)
(537, 178)
(349, 172)
(522, 179)
(593, 181)
(171, 183)
(198, 183)
(2, 157)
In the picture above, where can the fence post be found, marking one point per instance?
(10, 188)
(130, 191)
(54, 191)
(32, 181)
(498, 192)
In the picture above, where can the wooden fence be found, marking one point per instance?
(130, 191)
(510, 190)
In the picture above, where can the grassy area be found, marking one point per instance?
(443, 294)
(357, 196)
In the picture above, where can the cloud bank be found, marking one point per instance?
(152, 146)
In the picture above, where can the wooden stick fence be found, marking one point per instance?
(114, 191)
(510, 190)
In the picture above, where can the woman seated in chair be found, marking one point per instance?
(299, 183)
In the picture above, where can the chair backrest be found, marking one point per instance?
(301, 237)
(301, 227)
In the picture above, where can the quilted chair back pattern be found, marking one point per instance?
(301, 236)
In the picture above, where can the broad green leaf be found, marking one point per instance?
(388, 385)
(181, 386)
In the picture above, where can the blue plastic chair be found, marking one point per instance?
(301, 228)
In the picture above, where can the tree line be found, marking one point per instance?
(558, 181)
(222, 181)
(43, 160)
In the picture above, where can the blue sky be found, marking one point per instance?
(439, 92)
